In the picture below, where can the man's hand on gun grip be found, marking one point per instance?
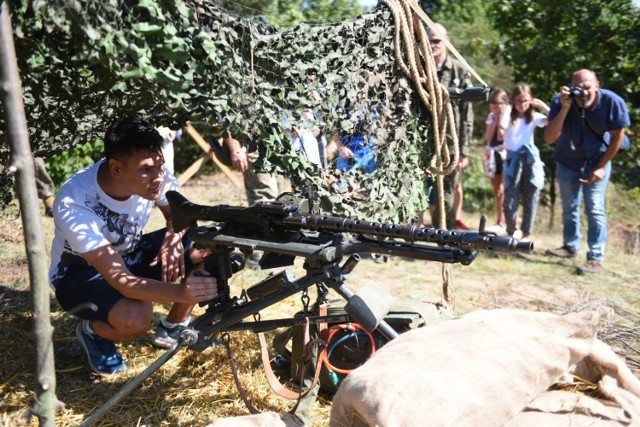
(200, 286)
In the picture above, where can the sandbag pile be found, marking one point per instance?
(266, 419)
(491, 368)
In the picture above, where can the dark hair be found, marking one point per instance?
(498, 96)
(129, 134)
(520, 89)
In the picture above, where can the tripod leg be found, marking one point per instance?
(131, 385)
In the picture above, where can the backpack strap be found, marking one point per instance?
(243, 394)
(275, 384)
(625, 142)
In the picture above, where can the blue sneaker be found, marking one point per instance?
(103, 356)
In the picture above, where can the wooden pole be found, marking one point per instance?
(45, 403)
(207, 149)
(193, 169)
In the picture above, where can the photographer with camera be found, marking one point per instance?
(587, 125)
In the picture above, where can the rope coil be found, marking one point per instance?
(419, 66)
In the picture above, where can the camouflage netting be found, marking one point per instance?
(86, 61)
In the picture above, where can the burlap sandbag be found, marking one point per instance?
(619, 389)
(566, 408)
(266, 419)
(478, 370)
(614, 378)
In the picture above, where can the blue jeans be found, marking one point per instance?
(571, 192)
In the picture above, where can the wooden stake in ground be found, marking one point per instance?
(193, 169)
(207, 149)
(45, 403)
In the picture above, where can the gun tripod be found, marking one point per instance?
(229, 314)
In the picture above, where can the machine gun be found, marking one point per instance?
(331, 245)
(288, 229)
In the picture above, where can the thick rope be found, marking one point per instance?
(415, 59)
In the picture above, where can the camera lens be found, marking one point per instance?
(576, 92)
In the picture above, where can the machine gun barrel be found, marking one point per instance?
(467, 240)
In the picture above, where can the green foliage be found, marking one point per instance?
(85, 62)
(330, 10)
(64, 164)
(546, 41)
(293, 12)
(457, 11)
(478, 194)
(552, 39)
(624, 206)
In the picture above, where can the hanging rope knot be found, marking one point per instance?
(415, 59)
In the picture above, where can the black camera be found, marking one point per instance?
(577, 92)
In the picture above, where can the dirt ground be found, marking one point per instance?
(196, 388)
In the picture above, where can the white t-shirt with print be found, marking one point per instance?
(86, 218)
(520, 133)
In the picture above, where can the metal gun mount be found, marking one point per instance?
(287, 229)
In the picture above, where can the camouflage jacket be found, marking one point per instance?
(453, 74)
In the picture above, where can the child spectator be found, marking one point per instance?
(497, 122)
(523, 172)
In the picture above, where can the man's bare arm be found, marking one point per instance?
(108, 262)
(617, 136)
(171, 254)
(238, 154)
(554, 127)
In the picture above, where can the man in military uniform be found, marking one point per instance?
(259, 186)
(451, 73)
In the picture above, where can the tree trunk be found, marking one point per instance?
(46, 403)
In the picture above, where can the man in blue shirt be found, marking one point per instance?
(587, 125)
(357, 150)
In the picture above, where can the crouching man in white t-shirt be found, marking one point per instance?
(103, 269)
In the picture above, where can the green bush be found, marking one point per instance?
(65, 163)
(478, 194)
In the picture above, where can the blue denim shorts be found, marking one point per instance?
(83, 292)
